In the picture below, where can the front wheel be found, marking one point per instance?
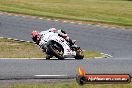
(48, 57)
(56, 49)
(79, 54)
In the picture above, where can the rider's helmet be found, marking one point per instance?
(52, 30)
(35, 35)
(62, 33)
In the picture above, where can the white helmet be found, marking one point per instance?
(52, 29)
(62, 33)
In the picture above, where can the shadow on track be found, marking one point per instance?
(57, 59)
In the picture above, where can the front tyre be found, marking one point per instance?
(48, 57)
(55, 49)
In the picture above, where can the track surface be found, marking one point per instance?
(113, 41)
(22, 69)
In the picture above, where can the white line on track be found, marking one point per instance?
(1, 37)
(64, 21)
(16, 15)
(16, 39)
(105, 26)
(48, 19)
(72, 22)
(9, 38)
(89, 24)
(22, 40)
(55, 20)
(50, 75)
(28, 41)
(79, 23)
(98, 25)
(113, 27)
(40, 18)
(9, 14)
(24, 16)
(33, 17)
(98, 57)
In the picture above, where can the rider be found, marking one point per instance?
(38, 37)
(63, 34)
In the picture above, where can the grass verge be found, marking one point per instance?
(104, 11)
(16, 49)
(69, 85)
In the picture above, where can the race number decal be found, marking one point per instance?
(68, 50)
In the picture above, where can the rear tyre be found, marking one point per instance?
(79, 54)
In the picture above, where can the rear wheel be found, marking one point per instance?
(79, 54)
(56, 49)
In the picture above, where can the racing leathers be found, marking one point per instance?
(44, 36)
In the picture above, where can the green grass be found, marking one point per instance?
(15, 49)
(91, 54)
(70, 85)
(104, 11)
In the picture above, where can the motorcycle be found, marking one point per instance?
(60, 48)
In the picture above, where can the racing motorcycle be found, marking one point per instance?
(60, 48)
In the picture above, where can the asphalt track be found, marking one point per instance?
(114, 41)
